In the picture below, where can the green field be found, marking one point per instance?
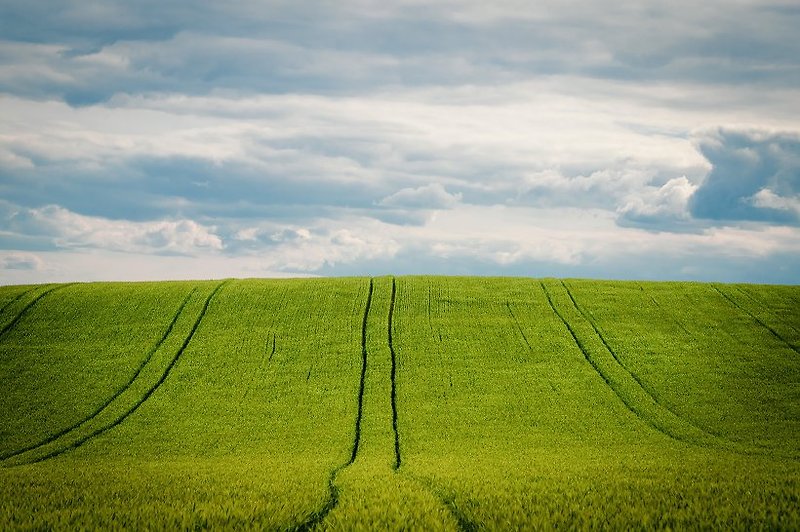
(412, 402)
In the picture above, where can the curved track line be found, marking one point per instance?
(394, 381)
(30, 305)
(116, 394)
(588, 318)
(605, 378)
(635, 377)
(333, 492)
(464, 525)
(147, 394)
(663, 311)
(758, 300)
(756, 319)
(17, 298)
(519, 327)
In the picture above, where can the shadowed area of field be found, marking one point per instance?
(415, 402)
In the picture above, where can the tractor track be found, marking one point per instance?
(635, 377)
(10, 325)
(519, 327)
(462, 522)
(333, 492)
(664, 311)
(150, 391)
(397, 459)
(116, 394)
(761, 303)
(630, 406)
(600, 335)
(756, 319)
(19, 296)
(464, 525)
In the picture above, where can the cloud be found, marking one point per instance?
(433, 196)
(68, 230)
(766, 199)
(456, 135)
(755, 175)
(658, 207)
(21, 261)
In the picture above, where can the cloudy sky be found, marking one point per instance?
(161, 139)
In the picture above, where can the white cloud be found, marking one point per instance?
(67, 229)
(658, 205)
(765, 198)
(433, 196)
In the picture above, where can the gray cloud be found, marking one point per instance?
(755, 175)
(456, 136)
(86, 52)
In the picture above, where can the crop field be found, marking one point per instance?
(429, 403)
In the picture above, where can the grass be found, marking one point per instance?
(418, 402)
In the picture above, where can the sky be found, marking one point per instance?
(186, 139)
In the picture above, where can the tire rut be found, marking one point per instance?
(627, 402)
(761, 303)
(118, 420)
(635, 377)
(316, 518)
(120, 391)
(464, 525)
(664, 311)
(17, 298)
(10, 325)
(756, 319)
(397, 458)
(519, 327)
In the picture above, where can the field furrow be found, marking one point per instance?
(518, 326)
(717, 368)
(375, 478)
(397, 457)
(12, 296)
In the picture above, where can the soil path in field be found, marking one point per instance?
(84, 431)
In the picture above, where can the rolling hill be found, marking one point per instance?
(410, 402)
